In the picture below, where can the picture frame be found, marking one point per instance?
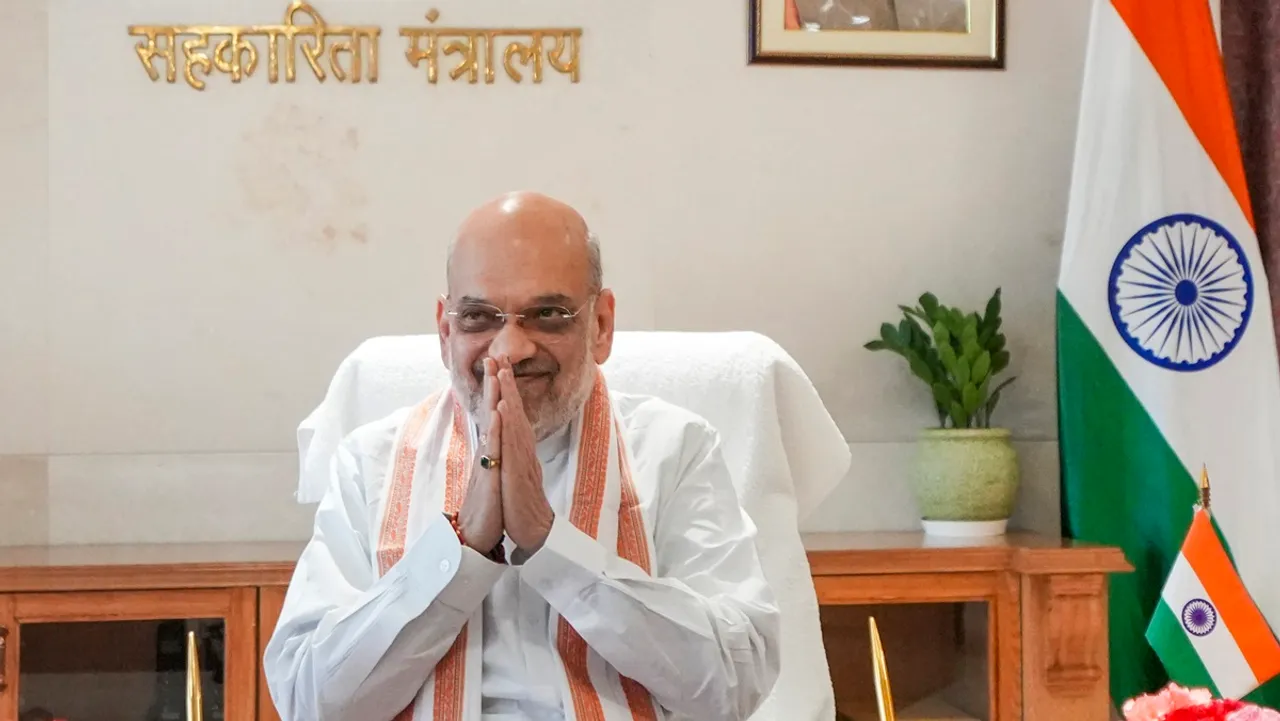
(892, 33)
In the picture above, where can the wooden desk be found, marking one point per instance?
(1045, 601)
(1042, 603)
(70, 613)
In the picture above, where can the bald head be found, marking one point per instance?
(529, 225)
(530, 257)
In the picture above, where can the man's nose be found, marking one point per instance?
(513, 342)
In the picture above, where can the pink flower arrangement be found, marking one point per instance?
(1176, 703)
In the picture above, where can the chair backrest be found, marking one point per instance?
(782, 447)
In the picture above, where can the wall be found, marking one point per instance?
(183, 271)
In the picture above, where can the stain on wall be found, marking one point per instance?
(297, 170)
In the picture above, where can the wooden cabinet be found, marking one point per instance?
(100, 632)
(993, 629)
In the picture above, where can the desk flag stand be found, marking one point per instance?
(884, 697)
(195, 697)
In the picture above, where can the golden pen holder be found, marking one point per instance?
(884, 696)
(195, 697)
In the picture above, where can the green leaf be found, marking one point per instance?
(970, 398)
(941, 335)
(996, 344)
(935, 365)
(958, 416)
(981, 368)
(970, 332)
(876, 345)
(947, 355)
(942, 395)
(988, 332)
(972, 351)
(930, 305)
(919, 339)
(915, 313)
(931, 355)
(993, 309)
(995, 397)
(961, 373)
(999, 361)
(1001, 386)
(890, 335)
(920, 367)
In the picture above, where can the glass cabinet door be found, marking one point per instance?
(938, 658)
(129, 656)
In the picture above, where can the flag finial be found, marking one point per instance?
(195, 696)
(1204, 487)
(884, 697)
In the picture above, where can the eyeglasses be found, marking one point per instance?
(482, 318)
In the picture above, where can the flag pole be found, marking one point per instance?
(880, 671)
(195, 696)
(1204, 487)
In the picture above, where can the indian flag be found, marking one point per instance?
(1166, 353)
(1206, 628)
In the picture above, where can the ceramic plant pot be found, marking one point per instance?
(965, 481)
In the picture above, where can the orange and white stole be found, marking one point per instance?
(429, 474)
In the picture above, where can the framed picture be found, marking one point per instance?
(929, 33)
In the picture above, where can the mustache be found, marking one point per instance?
(527, 367)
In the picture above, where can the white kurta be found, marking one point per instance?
(701, 634)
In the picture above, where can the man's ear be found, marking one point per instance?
(443, 329)
(603, 318)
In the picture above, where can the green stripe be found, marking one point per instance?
(1268, 694)
(1179, 656)
(1122, 485)
(1176, 652)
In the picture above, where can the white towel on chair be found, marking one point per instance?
(782, 446)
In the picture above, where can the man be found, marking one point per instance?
(526, 544)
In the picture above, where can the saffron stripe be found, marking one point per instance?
(451, 671)
(395, 521)
(573, 652)
(1209, 634)
(632, 544)
(638, 700)
(451, 676)
(396, 517)
(588, 497)
(633, 547)
(1179, 40)
(1207, 557)
(457, 466)
(589, 492)
(593, 462)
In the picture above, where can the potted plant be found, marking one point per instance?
(965, 477)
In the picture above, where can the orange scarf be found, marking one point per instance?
(423, 432)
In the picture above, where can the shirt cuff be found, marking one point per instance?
(439, 568)
(568, 562)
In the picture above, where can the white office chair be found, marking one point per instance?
(782, 446)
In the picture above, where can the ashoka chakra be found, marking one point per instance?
(1199, 617)
(1181, 292)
